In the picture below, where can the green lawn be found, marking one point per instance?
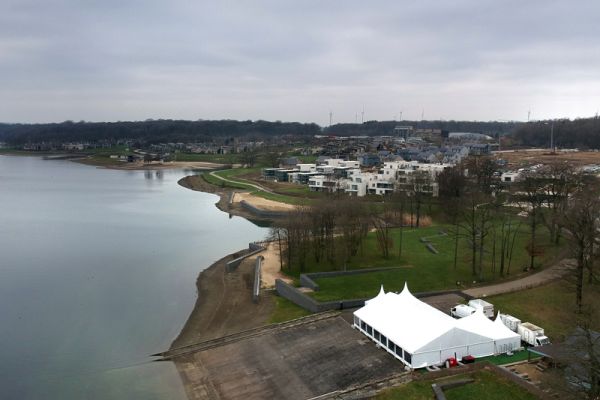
(285, 310)
(423, 270)
(213, 180)
(550, 306)
(215, 158)
(282, 198)
(236, 175)
(502, 359)
(487, 385)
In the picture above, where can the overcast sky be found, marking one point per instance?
(298, 60)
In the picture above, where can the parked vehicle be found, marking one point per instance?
(461, 311)
(488, 308)
(511, 322)
(532, 334)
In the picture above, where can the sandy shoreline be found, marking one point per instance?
(224, 303)
(197, 183)
(141, 166)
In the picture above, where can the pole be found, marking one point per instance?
(552, 137)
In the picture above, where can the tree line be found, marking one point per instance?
(583, 133)
(383, 128)
(486, 217)
(151, 131)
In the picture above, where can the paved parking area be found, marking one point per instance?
(298, 362)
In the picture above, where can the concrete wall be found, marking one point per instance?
(308, 303)
(262, 213)
(256, 288)
(307, 280)
(253, 248)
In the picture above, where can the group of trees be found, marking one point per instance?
(578, 133)
(151, 131)
(375, 128)
(332, 230)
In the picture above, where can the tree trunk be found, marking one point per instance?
(455, 243)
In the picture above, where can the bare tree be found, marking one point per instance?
(581, 221)
(382, 222)
(277, 235)
(353, 224)
(532, 196)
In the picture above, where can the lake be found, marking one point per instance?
(97, 272)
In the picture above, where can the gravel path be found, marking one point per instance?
(540, 278)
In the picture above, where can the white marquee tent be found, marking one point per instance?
(420, 335)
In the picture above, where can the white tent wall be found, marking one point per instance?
(420, 335)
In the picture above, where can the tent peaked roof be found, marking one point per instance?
(378, 298)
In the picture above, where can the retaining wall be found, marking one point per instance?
(307, 280)
(256, 288)
(262, 213)
(308, 303)
(253, 248)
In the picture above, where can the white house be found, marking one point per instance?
(510, 177)
(420, 335)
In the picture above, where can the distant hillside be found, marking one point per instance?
(580, 133)
(374, 128)
(152, 131)
(155, 131)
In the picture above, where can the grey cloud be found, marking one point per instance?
(297, 59)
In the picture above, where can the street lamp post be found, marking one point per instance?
(552, 137)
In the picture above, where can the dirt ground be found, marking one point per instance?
(271, 267)
(224, 305)
(262, 203)
(522, 158)
(550, 380)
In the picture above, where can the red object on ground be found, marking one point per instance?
(468, 359)
(451, 362)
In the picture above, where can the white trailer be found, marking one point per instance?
(532, 334)
(510, 322)
(461, 310)
(487, 308)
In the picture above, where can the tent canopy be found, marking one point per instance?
(420, 328)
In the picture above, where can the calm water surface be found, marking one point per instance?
(97, 271)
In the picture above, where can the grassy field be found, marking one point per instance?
(285, 310)
(423, 270)
(487, 385)
(550, 306)
(237, 174)
(215, 158)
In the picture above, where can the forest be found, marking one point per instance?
(150, 131)
(581, 133)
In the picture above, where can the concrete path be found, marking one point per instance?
(243, 182)
(540, 278)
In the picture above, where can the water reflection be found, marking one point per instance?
(97, 273)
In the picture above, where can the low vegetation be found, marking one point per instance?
(285, 310)
(487, 385)
(422, 269)
(551, 306)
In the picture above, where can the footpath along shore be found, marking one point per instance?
(224, 304)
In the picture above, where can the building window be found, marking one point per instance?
(369, 330)
(398, 351)
(363, 326)
(356, 321)
(408, 357)
(384, 340)
(376, 335)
